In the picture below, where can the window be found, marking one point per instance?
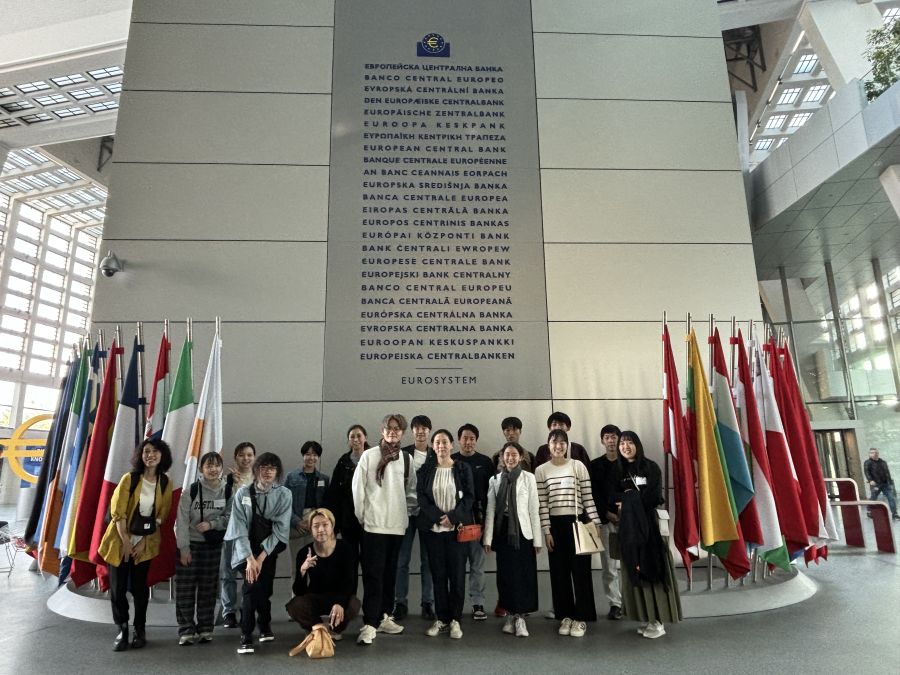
(69, 112)
(103, 73)
(103, 105)
(88, 92)
(806, 64)
(799, 119)
(51, 99)
(890, 15)
(16, 106)
(815, 93)
(31, 87)
(764, 143)
(114, 87)
(6, 123)
(67, 80)
(789, 96)
(35, 118)
(775, 121)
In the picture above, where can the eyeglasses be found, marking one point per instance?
(395, 430)
(268, 468)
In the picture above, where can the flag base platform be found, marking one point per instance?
(779, 589)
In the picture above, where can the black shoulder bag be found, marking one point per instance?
(143, 526)
(260, 526)
(212, 537)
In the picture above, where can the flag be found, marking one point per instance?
(733, 446)
(51, 453)
(94, 465)
(784, 479)
(159, 393)
(206, 435)
(177, 433)
(72, 488)
(675, 442)
(815, 481)
(126, 435)
(718, 516)
(48, 554)
(771, 544)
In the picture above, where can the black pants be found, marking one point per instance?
(570, 575)
(256, 598)
(133, 577)
(379, 562)
(353, 537)
(447, 560)
(307, 610)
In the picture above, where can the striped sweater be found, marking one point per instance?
(563, 488)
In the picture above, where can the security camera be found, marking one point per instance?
(110, 265)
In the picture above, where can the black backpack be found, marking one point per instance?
(135, 481)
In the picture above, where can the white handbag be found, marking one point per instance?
(586, 535)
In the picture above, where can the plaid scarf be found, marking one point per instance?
(389, 453)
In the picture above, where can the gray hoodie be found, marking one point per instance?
(215, 511)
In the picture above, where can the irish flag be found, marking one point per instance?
(177, 433)
(206, 435)
(771, 546)
(159, 392)
(718, 516)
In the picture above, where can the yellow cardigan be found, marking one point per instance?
(121, 507)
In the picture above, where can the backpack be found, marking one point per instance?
(135, 481)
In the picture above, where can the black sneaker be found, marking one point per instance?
(615, 613)
(246, 645)
(428, 612)
(478, 613)
(230, 621)
(400, 611)
(266, 634)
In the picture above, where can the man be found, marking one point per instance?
(482, 470)
(559, 420)
(384, 493)
(307, 485)
(880, 483)
(512, 430)
(419, 452)
(603, 474)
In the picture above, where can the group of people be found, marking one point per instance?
(463, 506)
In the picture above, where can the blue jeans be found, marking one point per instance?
(229, 585)
(887, 490)
(475, 555)
(401, 590)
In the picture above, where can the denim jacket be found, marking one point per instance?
(296, 483)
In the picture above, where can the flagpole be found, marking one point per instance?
(142, 400)
(118, 355)
(751, 354)
(102, 357)
(666, 458)
(709, 341)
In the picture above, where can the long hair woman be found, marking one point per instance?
(513, 532)
(649, 589)
(445, 492)
(139, 505)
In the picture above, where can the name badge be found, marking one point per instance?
(246, 501)
(460, 495)
(218, 503)
(321, 483)
(146, 526)
(567, 482)
(640, 480)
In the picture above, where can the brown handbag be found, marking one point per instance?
(466, 533)
(318, 644)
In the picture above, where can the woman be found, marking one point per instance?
(241, 474)
(512, 530)
(564, 491)
(259, 529)
(339, 495)
(199, 532)
(139, 505)
(324, 578)
(307, 485)
(445, 493)
(649, 589)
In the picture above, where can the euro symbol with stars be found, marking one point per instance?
(18, 447)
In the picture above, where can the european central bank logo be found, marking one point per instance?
(432, 45)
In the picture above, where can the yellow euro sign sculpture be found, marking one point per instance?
(17, 448)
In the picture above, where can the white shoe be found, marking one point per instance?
(389, 626)
(565, 627)
(436, 629)
(654, 630)
(640, 631)
(509, 624)
(550, 615)
(521, 628)
(455, 630)
(187, 640)
(366, 635)
(578, 629)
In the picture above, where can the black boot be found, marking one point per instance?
(121, 643)
(140, 637)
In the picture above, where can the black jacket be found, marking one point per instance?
(338, 498)
(643, 548)
(877, 470)
(604, 476)
(429, 513)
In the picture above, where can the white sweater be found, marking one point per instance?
(385, 508)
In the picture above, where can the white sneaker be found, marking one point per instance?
(521, 628)
(640, 631)
(509, 624)
(366, 635)
(565, 627)
(186, 640)
(389, 626)
(455, 630)
(550, 615)
(436, 629)
(578, 629)
(654, 630)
